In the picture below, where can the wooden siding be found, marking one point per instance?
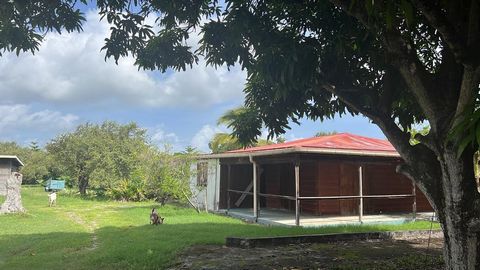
(279, 180)
(382, 179)
(325, 178)
(328, 185)
(349, 187)
(423, 205)
(272, 177)
(309, 187)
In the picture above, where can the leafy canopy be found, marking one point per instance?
(99, 155)
(23, 24)
(397, 62)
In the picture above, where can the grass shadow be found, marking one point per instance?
(155, 247)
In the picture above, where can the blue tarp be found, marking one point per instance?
(54, 184)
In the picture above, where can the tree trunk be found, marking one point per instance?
(13, 202)
(461, 247)
(82, 185)
(456, 203)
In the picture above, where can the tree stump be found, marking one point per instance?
(13, 202)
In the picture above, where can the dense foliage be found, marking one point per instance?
(111, 160)
(98, 155)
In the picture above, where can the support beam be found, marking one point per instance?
(255, 190)
(228, 187)
(360, 193)
(259, 190)
(244, 195)
(414, 205)
(347, 197)
(297, 193)
(217, 186)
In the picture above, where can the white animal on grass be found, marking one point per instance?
(52, 199)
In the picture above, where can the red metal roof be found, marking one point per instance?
(343, 141)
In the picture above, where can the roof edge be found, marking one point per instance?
(305, 150)
(12, 157)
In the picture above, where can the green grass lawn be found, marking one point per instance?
(89, 234)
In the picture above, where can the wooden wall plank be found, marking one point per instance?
(329, 185)
(309, 186)
(348, 186)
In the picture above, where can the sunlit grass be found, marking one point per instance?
(89, 234)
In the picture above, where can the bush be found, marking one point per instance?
(128, 190)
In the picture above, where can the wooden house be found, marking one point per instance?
(341, 174)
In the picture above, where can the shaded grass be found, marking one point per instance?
(90, 234)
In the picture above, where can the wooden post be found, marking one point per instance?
(228, 187)
(360, 193)
(297, 193)
(255, 191)
(414, 205)
(259, 177)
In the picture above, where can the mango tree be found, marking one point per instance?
(396, 62)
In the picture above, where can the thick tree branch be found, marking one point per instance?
(403, 57)
(386, 97)
(468, 90)
(436, 17)
(377, 117)
(419, 171)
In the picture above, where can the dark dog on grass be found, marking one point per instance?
(155, 218)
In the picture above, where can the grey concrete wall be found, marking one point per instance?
(5, 171)
(253, 242)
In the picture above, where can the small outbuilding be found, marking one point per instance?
(8, 165)
(341, 175)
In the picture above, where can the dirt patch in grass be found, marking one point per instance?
(90, 226)
(378, 254)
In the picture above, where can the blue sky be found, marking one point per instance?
(68, 83)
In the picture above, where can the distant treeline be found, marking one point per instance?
(108, 159)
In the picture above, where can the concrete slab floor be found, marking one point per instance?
(286, 218)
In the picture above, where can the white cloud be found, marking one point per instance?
(20, 119)
(69, 69)
(161, 138)
(201, 139)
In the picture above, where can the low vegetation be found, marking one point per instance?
(92, 234)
